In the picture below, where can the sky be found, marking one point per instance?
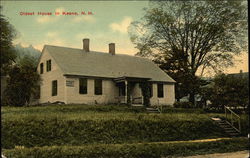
(104, 22)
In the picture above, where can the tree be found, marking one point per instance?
(228, 90)
(8, 33)
(185, 37)
(23, 83)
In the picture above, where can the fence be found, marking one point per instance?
(233, 119)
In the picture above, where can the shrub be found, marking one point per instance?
(183, 105)
(136, 150)
(22, 83)
(50, 130)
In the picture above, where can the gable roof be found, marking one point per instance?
(97, 64)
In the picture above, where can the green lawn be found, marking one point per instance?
(90, 125)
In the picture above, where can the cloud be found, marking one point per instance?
(95, 36)
(60, 10)
(57, 42)
(38, 46)
(54, 38)
(44, 19)
(121, 27)
(51, 34)
(84, 18)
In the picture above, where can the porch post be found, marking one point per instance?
(126, 91)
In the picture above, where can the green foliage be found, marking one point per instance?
(23, 82)
(228, 90)
(8, 33)
(76, 125)
(30, 51)
(145, 86)
(136, 150)
(186, 36)
(183, 105)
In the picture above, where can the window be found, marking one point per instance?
(41, 68)
(48, 65)
(122, 90)
(98, 87)
(54, 88)
(160, 92)
(83, 86)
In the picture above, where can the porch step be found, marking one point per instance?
(137, 105)
(152, 110)
(226, 127)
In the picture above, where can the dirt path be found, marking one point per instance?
(239, 154)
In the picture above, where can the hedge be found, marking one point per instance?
(138, 150)
(35, 131)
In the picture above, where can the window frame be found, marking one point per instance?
(48, 65)
(160, 90)
(41, 68)
(85, 87)
(98, 90)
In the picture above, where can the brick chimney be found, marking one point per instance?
(112, 48)
(86, 44)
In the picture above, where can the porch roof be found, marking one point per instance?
(126, 78)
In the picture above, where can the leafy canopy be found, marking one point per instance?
(8, 33)
(23, 83)
(229, 90)
(188, 35)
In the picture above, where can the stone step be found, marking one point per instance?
(229, 128)
(231, 132)
(226, 127)
(223, 123)
(153, 111)
(234, 134)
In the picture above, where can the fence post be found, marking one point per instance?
(231, 118)
(142, 100)
(225, 111)
(239, 125)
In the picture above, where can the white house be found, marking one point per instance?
(82, 76)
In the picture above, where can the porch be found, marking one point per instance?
(130, 90)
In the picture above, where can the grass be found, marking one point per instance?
(60, 127)
(145, 150)
(94, 112)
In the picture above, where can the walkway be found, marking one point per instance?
(239, 154)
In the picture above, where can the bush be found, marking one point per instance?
(22, 83)
(50, 130)
(138, 150)
(183, 105)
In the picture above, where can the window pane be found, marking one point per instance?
(160, 90)
(83, 86)
(54, 88)
(98, 87)
(41, 68)
(48, 65)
